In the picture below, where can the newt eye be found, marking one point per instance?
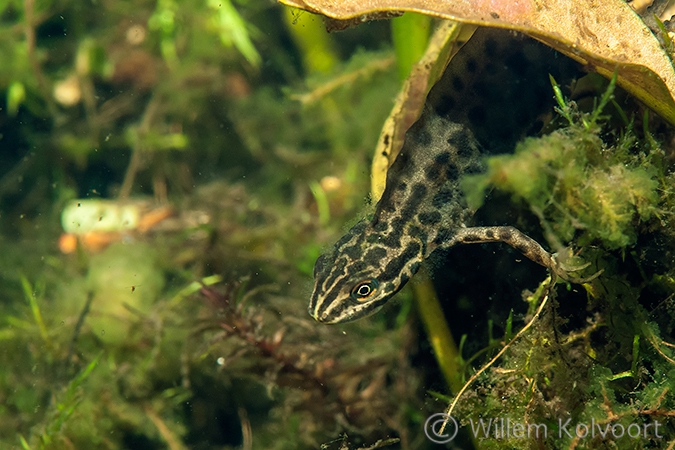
(364, 289)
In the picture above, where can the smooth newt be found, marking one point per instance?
(483, 104)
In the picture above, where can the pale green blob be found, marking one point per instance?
(124, 278)
(86, 215)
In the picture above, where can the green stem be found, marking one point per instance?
(310, 35)
(410, 35)
(446, 351)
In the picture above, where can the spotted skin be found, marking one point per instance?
(471, 112)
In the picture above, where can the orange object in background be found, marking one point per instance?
(67, 243)
(95, 224)
(152, 218)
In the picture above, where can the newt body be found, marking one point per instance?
(486, 101)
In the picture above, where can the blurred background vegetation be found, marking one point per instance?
(240, 117)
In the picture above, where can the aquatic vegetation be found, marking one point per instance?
(573, 181)
(604, 379)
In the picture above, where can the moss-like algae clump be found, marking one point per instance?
(593, 370)
(573, 181)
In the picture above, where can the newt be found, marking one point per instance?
(495, 88)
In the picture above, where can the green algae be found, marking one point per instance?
(578, 185)
(605, 382)
(115, 300)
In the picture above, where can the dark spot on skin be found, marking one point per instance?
(385, 154)
(375, 255)
(490, 47)
(536, 257)
(402, 186)
(429, 218)
(462, 143)
(373, 239)
(415, 267)
(380, 226)
(353, 252)
(457, 84)
(433, 172)
(404, 157)
(477, 116)
(505, 235)
(401, 162)
(442, 158)
(490, 234)
(518, 64)
(387, 206)
(444, 235)
(397, 264)
(424, 138)
(494, 15)
(445, 104)
(471, 238)
(522, 248)
(385, 141)
(471, 65)
(393, 239)
(417, 233)
(358, 266)
(418, 192)
(441, 198)
(452, 172)
(358, 228)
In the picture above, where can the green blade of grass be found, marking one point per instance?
(35, 308)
